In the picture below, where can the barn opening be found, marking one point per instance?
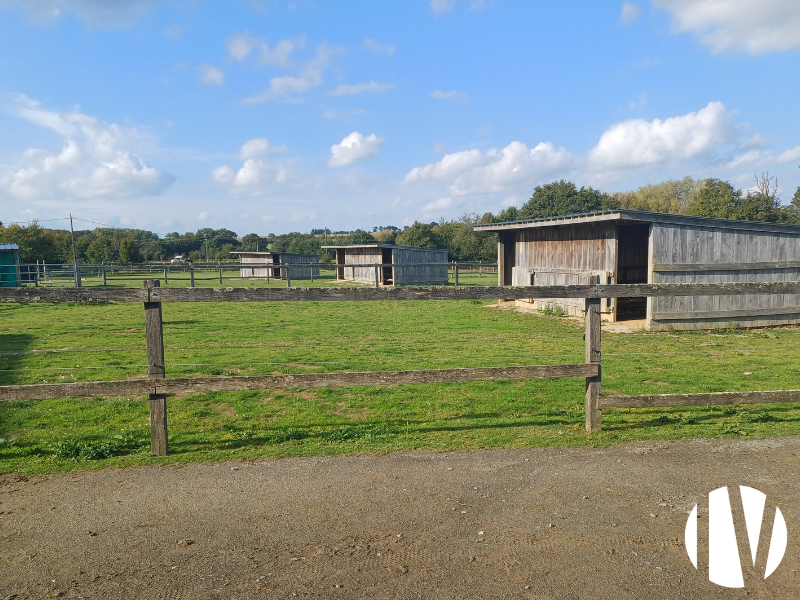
(386, 259)
(632, 261)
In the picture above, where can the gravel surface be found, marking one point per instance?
(534, 523)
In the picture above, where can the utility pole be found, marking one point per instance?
(74, 255)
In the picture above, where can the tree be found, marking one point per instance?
(100, 250)
(717, 198)
(420, 235)
(563, 198)
(129, 251)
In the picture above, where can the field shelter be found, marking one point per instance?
(629, 246)
(269, 264)
(424, 266)
(9, 265)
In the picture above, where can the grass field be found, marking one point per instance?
(61, 343)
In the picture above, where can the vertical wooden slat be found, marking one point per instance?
(456, 268)
(501, 258)
(104, 275)
(155, 370)
(220, 275)
(594, 416)
(191, 276)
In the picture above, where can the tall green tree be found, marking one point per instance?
(129, 251)
(420, 235)
(564, 198)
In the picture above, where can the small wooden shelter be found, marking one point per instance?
(270, 264)
(9, 265)
(427, 266)
(628, 246)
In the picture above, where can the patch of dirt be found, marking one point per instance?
(302, 366)
(343, 409)
(126, 331)
(222, 409)
(557, 523)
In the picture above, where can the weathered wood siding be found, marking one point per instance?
(276, 259)
(422, 275)
(697, 250)
(565, 255)
(361, 256)
(299, 272)
(253, 270)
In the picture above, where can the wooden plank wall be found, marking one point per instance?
(299, 272)
(253, 271)
(565, 255)
(422, 275)
(685, 245)
(361, 256)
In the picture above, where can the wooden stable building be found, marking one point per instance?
(629, 246)
(271, 264)
(427, 266)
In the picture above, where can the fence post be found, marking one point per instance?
(77, 273)
(166, 281)
(480, 269)
(220, 275)
(155, 370)
(288, 279)
(312, 274)
(594, 417)
(456, 270)
(377, 277)
(191, 276)
(104, 274)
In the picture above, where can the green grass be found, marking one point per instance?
(62, 343)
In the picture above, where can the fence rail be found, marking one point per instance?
(157, 386)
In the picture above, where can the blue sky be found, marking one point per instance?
(276, 116)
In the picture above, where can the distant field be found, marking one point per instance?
(178, 276)
(59, 343)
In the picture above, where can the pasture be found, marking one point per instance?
(62, 343)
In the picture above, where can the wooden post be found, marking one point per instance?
(288, 279)
(155, 370)
(377, 277)
(480, 270)
(594, 417)
(191, 276)
(455, 267)
(104, 275)
(220, 275)
(166, 281)
(312, 274)
(77, 273)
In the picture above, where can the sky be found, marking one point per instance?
(271, 116)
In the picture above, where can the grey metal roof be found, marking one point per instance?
(642, 217)
(378, 245)
(8, 246)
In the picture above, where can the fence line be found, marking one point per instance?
(157, 386)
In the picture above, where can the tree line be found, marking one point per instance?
(695, 197)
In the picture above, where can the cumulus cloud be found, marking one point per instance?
(288, 86)
(473, 171)
(451, 95)
(210, 74)
(360, 88)
(755, 26)
(629, 13)
(442, 6)
(353, 148)
(120, 13)
(96, 160)
(376, 46)
(434, 208)
(257, 175)
(637, 142)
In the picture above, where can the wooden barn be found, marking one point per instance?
(629, 246)
(271, 264)
(422, 270)
(9, 265)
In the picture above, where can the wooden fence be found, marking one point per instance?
(157, 386)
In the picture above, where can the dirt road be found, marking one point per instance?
(535, 523)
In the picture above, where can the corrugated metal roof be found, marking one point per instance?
(641, 216)
(379, 245)
(8, 246)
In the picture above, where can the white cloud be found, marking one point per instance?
(434, 208)
(641, 102)
(474, 172)
(629, 13)
(442, 6)
(120, 13)
(288, 86)
(360, 88)
(756, 26)
(210, 74)
(791, 155)
(203, 216)
(240, 45)
(637, 142)
(451, 95)
(353, 148)
(97, 160)
(259, 148)
(376, 46)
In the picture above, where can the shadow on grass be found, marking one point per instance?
(749, 414)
